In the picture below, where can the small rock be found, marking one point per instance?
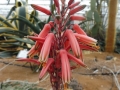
(96, 71)
(91, 77)
(74, 85)
(109, 57)
(95, 59)
(115, 58)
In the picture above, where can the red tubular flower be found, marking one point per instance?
(57, 5)
(70, 2)
(29, 60)
(45, 67)
(86, 39)
(33, 51)
(87, 47)
(46, 47)
(73, 5)
(39, 39)
(51, 24)
(73, 11)
(65, 66)
(45, 31)
(73, 42)
(44, 10)
(79, 18)
(74, 59)
(43, 34)
(78, 30)
(67, 45)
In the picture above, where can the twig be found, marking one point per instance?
(44, 78)
(6, 65)
(115, 77)
(98, 73)
(14, 64)
(115, 67)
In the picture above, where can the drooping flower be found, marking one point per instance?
(73, 42)
(65, 66)
(46, 47)
(46, 67)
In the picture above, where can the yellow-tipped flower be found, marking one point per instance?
(46, 47)
(65, 66)
(73, 42)
(86, 39)
(46, 67)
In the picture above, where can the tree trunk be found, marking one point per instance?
(111, 30)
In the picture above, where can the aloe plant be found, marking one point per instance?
(15, 26)
(60, 43)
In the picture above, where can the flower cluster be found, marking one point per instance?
(59, 43)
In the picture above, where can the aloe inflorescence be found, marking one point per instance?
(58, 44)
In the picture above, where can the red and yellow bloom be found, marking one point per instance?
(53, 46)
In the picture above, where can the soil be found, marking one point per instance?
(95, 77)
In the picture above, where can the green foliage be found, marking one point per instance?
(12, 32)
(95, 29)
(93, 5)
(89, 15)
(17, 24)
(95, 25)
(4, 22)
(28, 23)
(117, 48)
(97, 17)
(19, 86)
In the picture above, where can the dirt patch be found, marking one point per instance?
(97, 77)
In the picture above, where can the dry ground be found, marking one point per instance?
(97, 77)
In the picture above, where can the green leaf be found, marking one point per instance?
(5, 54)
(28, 23)
(93, 5)
(89, 15)
(12, 31)
(10, 12)
(95, 30)
(9, 88)
(4, 20)
(10, 44)
(97, 17)
(21, 11)
(41, 24)
(49, 19)
(33, 14)
(23, 40)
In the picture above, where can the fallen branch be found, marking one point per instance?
(6, 65)
(14, 64)
(98, 73)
